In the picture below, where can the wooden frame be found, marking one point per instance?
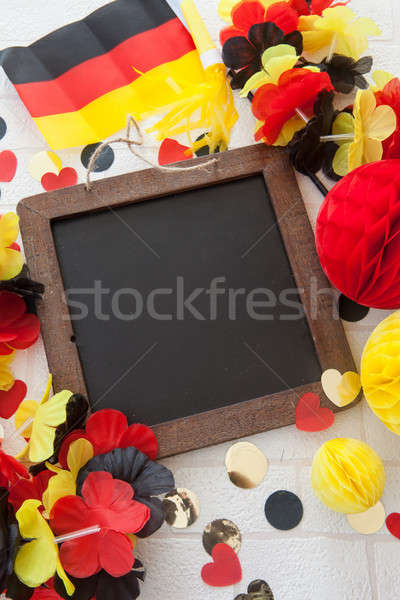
(222, 424)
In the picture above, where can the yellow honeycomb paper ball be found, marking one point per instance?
(380, 371)
(347, 475)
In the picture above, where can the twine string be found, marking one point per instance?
(133, 144)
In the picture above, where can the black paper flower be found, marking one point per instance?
(77, 411)
(307, 153)
(244, 54)
(345, 72)
(103, 586)
(147, 478)
(23, 285)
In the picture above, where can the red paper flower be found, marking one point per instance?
(250, 12)
(358, 235)
(18, 328)
(276, 104)
(108, 503)
(12, 398)
(108, 429)
(390, 95)
(11, 469)
(316, 7)
(26, 489)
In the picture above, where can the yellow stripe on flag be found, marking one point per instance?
(149, 94)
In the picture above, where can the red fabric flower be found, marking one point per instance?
(18, 329)
(108, 503)
(276, 104)
(390, 95)
(26, 489)
(108, 429)
(11, 469)
(12, 398)
(250, 12)
(316, 8)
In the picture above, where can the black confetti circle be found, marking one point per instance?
(3, 128)
(351, 311)
(283, 510)
(103, 161)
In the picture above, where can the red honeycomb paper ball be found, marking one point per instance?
(358, 235)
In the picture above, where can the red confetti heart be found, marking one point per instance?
(8, 166)
(9, 401)
(65, 178)
(310, 416)
(225, 570)
(172, 151)
(393, 524)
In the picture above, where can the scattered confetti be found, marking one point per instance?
(393, 524)
(370, 521)
(44, 162)
(222, 531)
(182, 508)
(351, 311)
(257, 590)
(3, 128)
(246, 465)
(225, 570)
(205, 150)
(341, 389)
(104, 160)
(310, 416)
(172, 151)
(8, 166)
(283, 510)
(66, 177)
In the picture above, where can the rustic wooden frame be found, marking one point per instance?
(222, 424)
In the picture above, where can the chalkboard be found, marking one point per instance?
(183, 310)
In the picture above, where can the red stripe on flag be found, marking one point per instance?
(92, 79)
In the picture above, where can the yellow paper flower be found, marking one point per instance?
(275, 61)
(381, 78)
(46, 417)
(370, 126)
(380, 371)
(225, 7)
(37, 561)
(347, 475)
(10, 260)
(339, 29)
(6, 377)
(64, 483)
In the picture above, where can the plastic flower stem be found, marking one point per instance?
(24, 426)
(332, 48)
(77, 534)
(338, 137)
(302, 115)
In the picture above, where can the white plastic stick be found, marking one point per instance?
(24, 426)
(332, 48)
(338, 137)
(302, 115)
(77, 534)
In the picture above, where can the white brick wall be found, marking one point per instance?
(323, 559)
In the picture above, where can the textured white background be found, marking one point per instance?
(323, 559)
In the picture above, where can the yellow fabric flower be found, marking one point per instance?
(64, 483)
(275, 61)
(38, 560)
(381, 78)
(46, 417)
(225, 7)
(10, 260)
(370, 125)
(339, 28)
(6, 377)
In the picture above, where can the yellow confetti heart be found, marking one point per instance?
(341, 389)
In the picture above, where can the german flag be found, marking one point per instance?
(81, 81)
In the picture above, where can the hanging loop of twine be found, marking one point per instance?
(133, 144)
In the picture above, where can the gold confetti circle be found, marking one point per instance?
(222, 531)
(44, 162)
(369, 521)
(246, 465)
(182, 508)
